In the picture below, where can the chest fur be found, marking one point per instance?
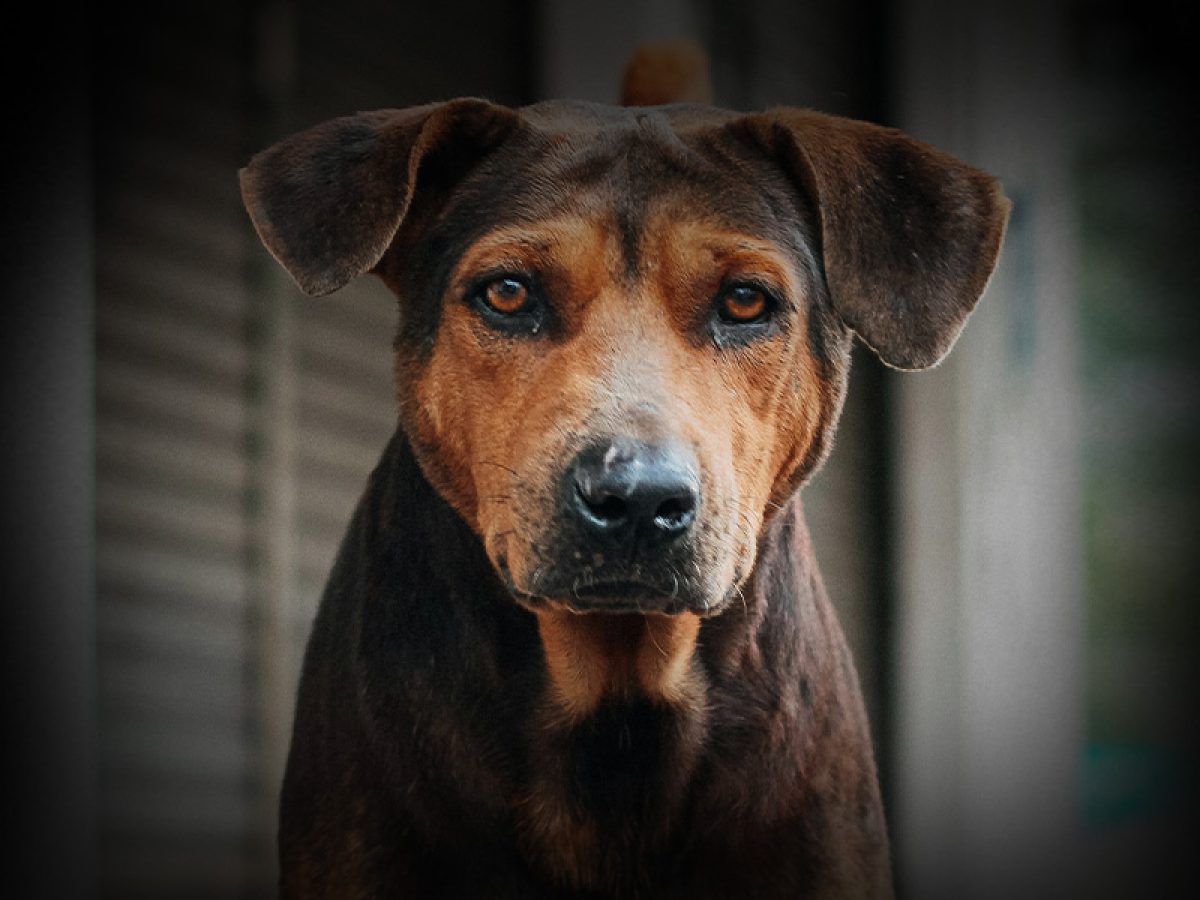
(609, 795)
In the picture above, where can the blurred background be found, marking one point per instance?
(1010, 539)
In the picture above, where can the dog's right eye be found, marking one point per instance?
(744, 305)
(506, 296)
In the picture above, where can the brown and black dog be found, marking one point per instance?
(575, 643)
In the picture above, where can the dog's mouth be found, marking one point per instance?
(623, 595)
(587, 592)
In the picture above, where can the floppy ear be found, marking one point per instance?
(909, 234)
(327, 202)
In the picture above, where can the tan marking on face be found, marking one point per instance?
(499, 417)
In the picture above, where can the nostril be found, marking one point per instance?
(607, 507)
(675, 513)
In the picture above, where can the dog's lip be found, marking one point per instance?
(621, 592)
(620, 595)
(615, 596)
(589, 584)
(619, 587)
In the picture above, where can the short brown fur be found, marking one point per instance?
(472, 720)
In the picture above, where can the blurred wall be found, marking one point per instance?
(47, 608)
(1046, 626)
(988, 674)
(1135, 174)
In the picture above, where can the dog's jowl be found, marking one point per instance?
(575, 643)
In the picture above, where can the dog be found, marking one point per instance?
(575, 642)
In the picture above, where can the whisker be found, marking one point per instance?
(745, 607)
(650, 634)
(534, 588)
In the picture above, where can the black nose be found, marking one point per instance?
(628, 491)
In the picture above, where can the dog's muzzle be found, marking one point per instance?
(623, 533)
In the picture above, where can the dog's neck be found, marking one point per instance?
(591, 722)
(595, 657)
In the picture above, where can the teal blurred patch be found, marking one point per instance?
(1128, 783)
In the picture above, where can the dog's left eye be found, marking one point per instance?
(744, 305)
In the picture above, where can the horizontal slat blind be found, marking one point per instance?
(346, 412)
(237, 421)
(176, 734)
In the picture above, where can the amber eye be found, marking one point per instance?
(507, 296)
(743, 305)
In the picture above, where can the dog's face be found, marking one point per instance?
(624, 333)
(632, 357)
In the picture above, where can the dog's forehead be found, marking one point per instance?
(636, 156)
(617, 166)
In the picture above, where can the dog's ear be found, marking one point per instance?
(327, 202)
(909, 234)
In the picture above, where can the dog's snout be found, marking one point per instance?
(633, 491)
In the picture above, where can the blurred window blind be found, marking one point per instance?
(177, 737)
(237, 421)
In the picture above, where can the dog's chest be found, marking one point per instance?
(607, 795)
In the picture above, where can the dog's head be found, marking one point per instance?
(625, 333)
